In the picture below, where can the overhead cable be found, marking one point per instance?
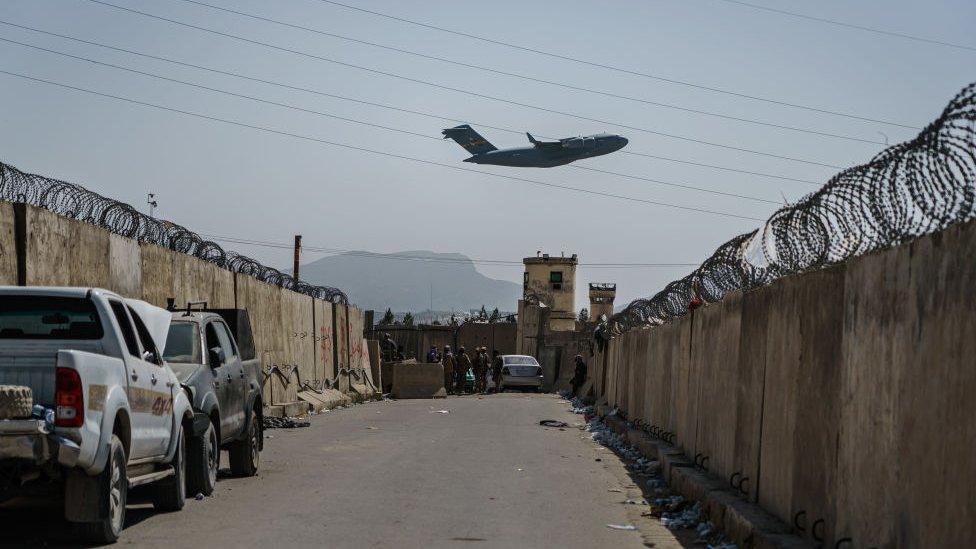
(385, 106)
(632, 72)
(373, 151)
(469, 92)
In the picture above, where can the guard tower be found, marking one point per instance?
(601, 299)
(552, 282)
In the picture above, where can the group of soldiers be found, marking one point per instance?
(456, 368)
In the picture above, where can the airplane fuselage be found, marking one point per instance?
(548, 156)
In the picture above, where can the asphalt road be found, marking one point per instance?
(401, 474)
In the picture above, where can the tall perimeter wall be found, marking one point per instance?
(846, 394)
(299, 339)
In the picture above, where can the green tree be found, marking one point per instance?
(388, 318)
(495, 316)
(408, 319)
(584, 315)
(483, 314)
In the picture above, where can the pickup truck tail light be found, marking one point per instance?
(68, 399)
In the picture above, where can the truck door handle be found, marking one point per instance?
(152, 378)
(228, 377)
(135, 376)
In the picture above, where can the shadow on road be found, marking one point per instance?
(39, 522)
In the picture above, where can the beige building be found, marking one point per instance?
(552, 281)
(601, 299)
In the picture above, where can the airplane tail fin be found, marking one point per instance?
(472, 142)
(532, 140)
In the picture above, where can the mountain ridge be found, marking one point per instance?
(422, 280)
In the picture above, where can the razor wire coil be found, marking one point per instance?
(78, 203)
(908, 190)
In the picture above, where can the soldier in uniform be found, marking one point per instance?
(480, 370)
(447, 360)
(462, 365)
(496, 369)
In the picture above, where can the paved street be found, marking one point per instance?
(399, 474)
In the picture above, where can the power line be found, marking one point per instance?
(357, 121)
(373, 151)
(535, 79)
(407, 257)
(618, 69)
(381, 105)
(851, 25)
(467, 92)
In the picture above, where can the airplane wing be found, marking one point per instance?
(543, 144)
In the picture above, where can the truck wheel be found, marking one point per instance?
(16, 402)
(202, 462)
(113, 491)
(171, 491)
(245, 455)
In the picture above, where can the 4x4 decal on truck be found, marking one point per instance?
(146, 401)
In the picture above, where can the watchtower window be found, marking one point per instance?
(556, 277)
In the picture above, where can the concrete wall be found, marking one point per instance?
(8, 245)
(844, 394)
(324, 340)
(294, 335)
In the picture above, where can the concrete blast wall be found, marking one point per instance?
(8, 245)
(843, 396)
(295, 336)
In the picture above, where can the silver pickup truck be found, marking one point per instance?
(88, 407)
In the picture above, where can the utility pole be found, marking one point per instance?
(298, 252)
(151, 200)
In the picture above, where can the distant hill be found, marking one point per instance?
(376, 283)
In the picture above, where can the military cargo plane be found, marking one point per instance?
(542, 154)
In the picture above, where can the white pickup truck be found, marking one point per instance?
(87, 404)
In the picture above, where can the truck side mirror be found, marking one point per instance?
(217, 357)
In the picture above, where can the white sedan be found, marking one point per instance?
(520, 371)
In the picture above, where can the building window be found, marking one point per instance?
(525, 280)
(556, 280)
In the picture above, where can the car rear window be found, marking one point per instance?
(46, 317)
(183, 343)
(521, 360)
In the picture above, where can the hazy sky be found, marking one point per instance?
(225, 180)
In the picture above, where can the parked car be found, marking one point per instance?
(89, 407)
(520, 371)
(212, 353)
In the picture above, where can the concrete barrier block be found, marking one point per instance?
(420, 380)
(326, 399)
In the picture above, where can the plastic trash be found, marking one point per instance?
(621, 526)
(198, 497)
(440, 411)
